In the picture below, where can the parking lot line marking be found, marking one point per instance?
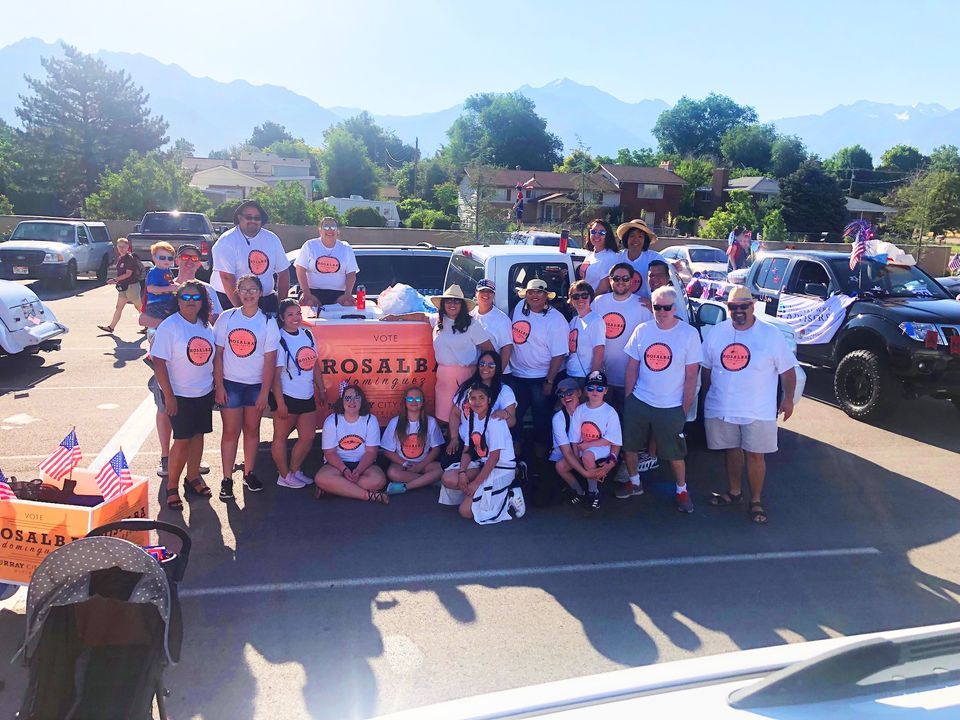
(481, 575)
(131, 434)
(59, 388)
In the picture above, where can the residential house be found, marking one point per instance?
(548, 197)
(387, 208)
(873, 213)
(237, 178)
(717, 193)
(647, 193)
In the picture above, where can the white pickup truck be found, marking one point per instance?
(57, 251)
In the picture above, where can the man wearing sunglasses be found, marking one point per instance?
(742, 361)
(658, 276)
(250, 248)
(662, 372)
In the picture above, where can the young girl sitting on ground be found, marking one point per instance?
(482, 482)
(564, 456)
(412, 443)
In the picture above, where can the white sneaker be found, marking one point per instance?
(302, 479)
(517, 504)
(288, 481)
(647, 462)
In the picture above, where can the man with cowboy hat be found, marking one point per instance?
(637, 239)
(494, 321)
(540, 344)
(250, 248)
(742, 360)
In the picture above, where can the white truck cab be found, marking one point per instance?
(56, 251)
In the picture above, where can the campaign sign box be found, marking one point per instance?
(29, 531)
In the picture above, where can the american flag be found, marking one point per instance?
(518, 208)
(6, 493)
(955, 263)
(114, 477)
(64, 459)
(859, 231)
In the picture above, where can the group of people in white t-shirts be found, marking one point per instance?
(623, 371)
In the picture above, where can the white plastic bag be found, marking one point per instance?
(398, 299)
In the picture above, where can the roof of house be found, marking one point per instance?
(542, 179)
(254, 164)
(224, 176)
(754, 184)
(858, 205)
(645, 175)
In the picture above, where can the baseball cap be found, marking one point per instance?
(486, 284)
(567, 384)
(597, 377)
(188, 248)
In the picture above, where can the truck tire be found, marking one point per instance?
(103, 269)
(69, 281)
(864, 386)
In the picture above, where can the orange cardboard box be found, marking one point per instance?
(29, 531)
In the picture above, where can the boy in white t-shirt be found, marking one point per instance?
(596, 434)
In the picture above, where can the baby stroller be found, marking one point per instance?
(103, 621)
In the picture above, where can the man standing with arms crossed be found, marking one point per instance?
(742, 360)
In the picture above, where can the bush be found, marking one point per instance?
(364, 217)
(6, 207)
(225, 211)
(318, 210)
(409, 206)
(430, 220)
(774, 228)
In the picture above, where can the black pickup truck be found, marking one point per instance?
(899, 337)
(175, 228)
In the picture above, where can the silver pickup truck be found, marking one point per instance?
(56, 251)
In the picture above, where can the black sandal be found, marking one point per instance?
(726, 499)
(378, 496)
(758, 515)
(173, 499)
(106, 328)
(197, 488)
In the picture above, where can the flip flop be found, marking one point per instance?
(758, 514)
(106, 328)
(726, 499)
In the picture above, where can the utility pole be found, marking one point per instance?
(416, 164)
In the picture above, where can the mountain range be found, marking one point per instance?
(214, 115)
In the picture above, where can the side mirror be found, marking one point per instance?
(710, 314)
(818, 289)
(83, 240)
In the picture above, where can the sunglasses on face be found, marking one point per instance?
(351, 398)
(620, 278)
(580, 296)
(164, 257)
(595, 231)
(566, 393)
(329, 227)
(486, 364)
(414, 399)
(190, 297)
(595, 388)
(189, 258)
(663, 308)
(739, 307)
(251, 218)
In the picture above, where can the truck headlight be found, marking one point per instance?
(53, 258)
(918, 331)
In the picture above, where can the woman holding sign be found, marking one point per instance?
(244, 366)
(412, 443)
(183, 361)
(351, 440)
(326, 268)
(296, 384)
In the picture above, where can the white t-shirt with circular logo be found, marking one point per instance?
(327, 268)
(599, 423)
(296, 364)
(498, 327)
(411, 447)
(537, 339)
(598, 267)
(488, 435)
(586, 333)
(457, 348)
(621, 318)
(262, 255)
(245, 341)
(663, 356)
(351, 440)
(187, 349)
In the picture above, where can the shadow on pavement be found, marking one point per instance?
(126, 351)
(21, 373)
(47, 291)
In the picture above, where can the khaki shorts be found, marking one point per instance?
(641, 420)
(132, 294)
(759, 436)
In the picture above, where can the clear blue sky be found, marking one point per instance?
(410, 56)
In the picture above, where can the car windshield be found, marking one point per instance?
(887, 280)
(424, 273)
(707, 255)
(43, 232)
(173, 224)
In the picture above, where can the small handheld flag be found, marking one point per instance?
(6, 492)
(114, 477)
(64, 459)
(954, 264)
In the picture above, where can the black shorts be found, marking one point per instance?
(296, 406)
(194, 416)
(326, 296)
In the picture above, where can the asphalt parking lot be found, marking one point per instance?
(296, 608)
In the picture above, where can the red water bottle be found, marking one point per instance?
(564, 238)
(361, 297)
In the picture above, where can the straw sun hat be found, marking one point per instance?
(639, 225)
(452, 293)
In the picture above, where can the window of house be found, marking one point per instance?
(548, 212)
(650, 192)
(528, 193)
(704, 195)
(650, 218)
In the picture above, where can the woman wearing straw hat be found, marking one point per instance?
(636, 239)
(457, 342)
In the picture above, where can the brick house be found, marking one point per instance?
(717, 194)
(647, 193)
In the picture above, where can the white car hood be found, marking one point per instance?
(47, 247)
(705, 266)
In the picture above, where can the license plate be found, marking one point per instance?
(21, 270)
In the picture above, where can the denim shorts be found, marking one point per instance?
(240, 394)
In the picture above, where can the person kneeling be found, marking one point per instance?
(596, 436)
(482, 483)
(412, 442)
(351, 440)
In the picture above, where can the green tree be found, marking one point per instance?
(644, 157)
(319, 209)
(363, 217)
(697, 172)
(225, 210)
(929, 203)
(902, 158)
(8, 164)
(447, 198)
(145, 183)
(346, 168)
(267, 134)
(749, 146)
(577, 161)
(285, 203)
(384, 148)
(945, 157)
(80, 121)
(502, 129)
(812, 200)
(787, 155)
(740, 172)
(6, 207)
(695, 127)
(854, 157)
(738, 212)
(774, 228)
